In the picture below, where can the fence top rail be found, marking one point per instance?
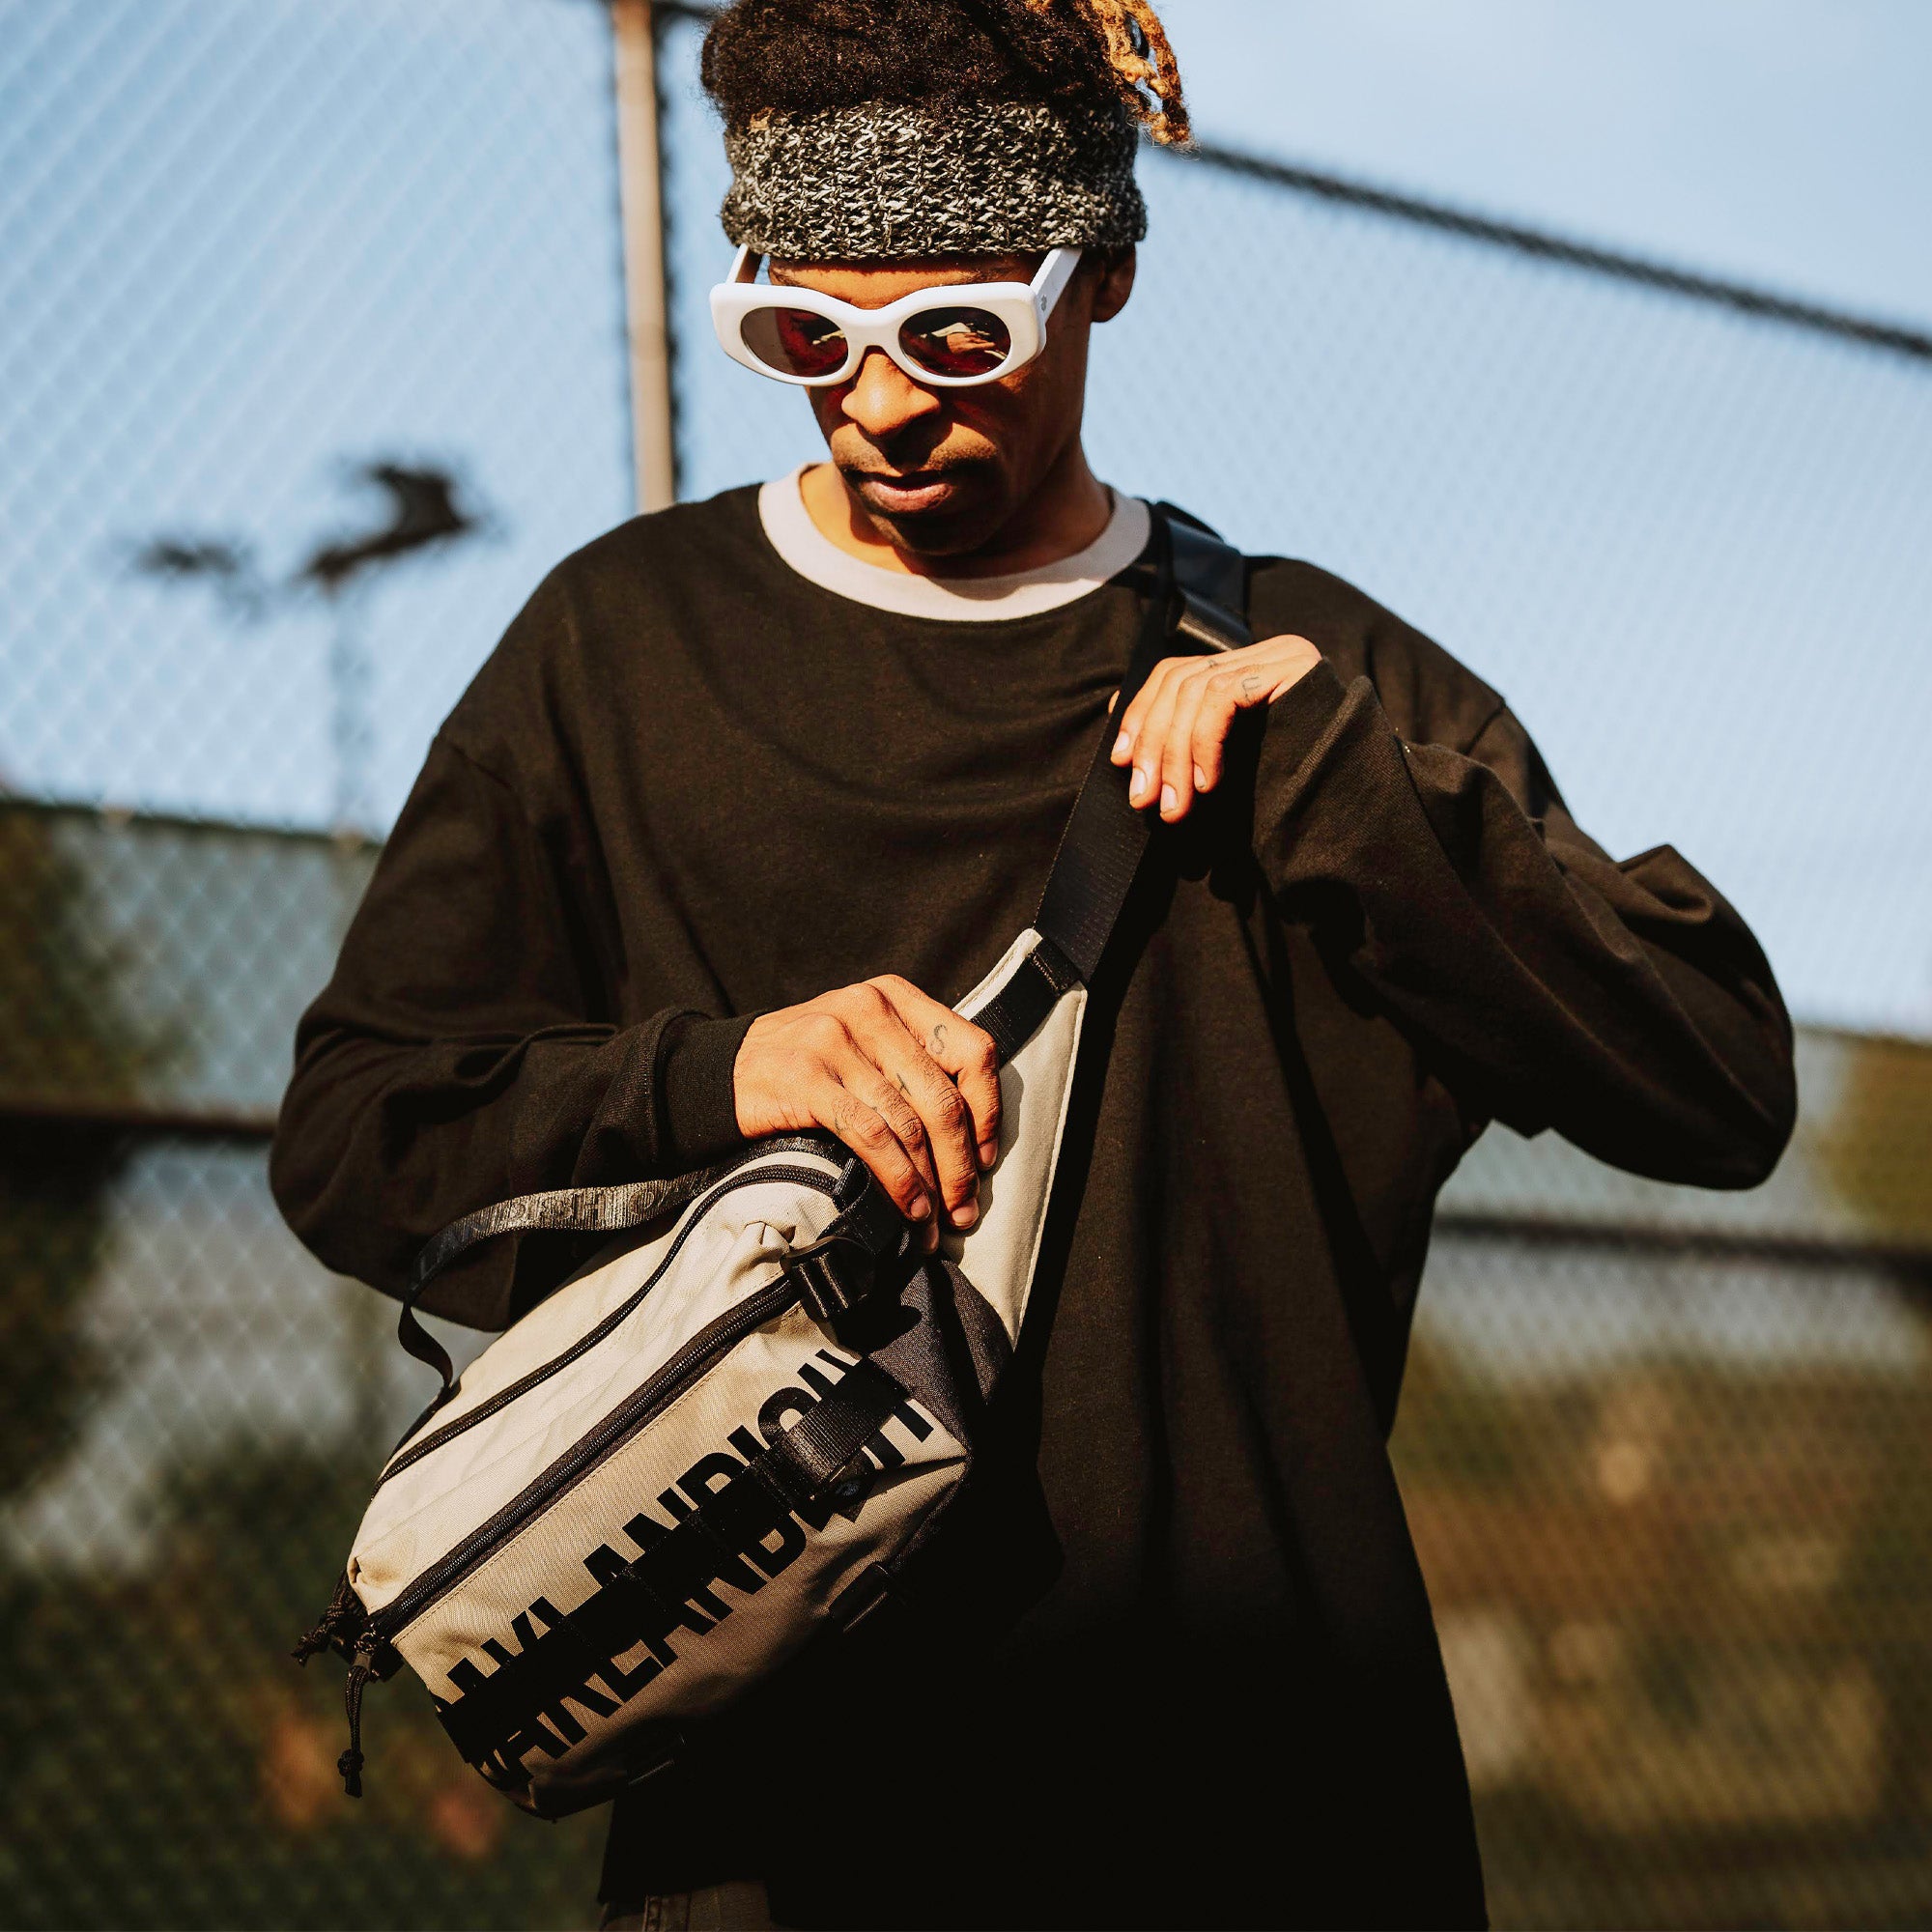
(1521, 237)
(1910, 1264)
(1546, 245)
(1547, 1228)
(132, 818)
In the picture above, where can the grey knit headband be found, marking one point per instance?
(883, 182)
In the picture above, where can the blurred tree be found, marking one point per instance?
(179, 1770)
(1875, 1145)
(71, 1052)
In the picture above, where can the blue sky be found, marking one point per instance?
(244, 249)
(241, 250)
(1785, 141)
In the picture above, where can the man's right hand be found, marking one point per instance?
(911, 1087)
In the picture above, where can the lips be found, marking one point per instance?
(899, 496)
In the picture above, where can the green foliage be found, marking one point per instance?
(52, 1183)
(1686, 1607)
(67, 1041)
(66, 1033)
(1875, 1146)
(180, 1769)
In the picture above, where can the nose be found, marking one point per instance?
(883, 400)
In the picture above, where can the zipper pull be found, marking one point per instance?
(361, 1666)
(345, 1610)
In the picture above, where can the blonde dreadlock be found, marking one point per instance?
(1139, 53)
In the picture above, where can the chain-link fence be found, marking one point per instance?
(314, 324)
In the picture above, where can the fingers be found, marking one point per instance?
(954, 1071)
(1128, 745)
(1155, 737)
(915, 1061)
(957, 1050)
(1200, 727)
(930, 1116)
(868, 1132)
(824, 1072)
(905, 1082)
(1152, 784)
(1173, 733)
(1182, 774)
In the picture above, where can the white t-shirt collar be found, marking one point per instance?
(1025, 593)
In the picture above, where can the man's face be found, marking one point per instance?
(939, 472)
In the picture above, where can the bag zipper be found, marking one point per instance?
(649, 1400)
(810, 1176)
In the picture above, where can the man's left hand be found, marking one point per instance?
(1177, 727)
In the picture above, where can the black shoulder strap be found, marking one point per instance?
(1199, 603)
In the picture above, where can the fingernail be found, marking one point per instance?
(1137, 784)
(1121, 745)
(988, 1154)
(921, 1210)
(965, 1215)
(1168, 798)
(928, 1238)
(1200, 778)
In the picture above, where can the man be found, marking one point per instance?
(756, 790)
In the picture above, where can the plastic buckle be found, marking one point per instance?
(834, 1276)
(1209, 625)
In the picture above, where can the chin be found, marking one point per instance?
(931, 535)
(957, 531)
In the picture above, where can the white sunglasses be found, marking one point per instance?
(951, 336)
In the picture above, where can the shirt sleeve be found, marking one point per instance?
(461, 1055)
(1625, 1005)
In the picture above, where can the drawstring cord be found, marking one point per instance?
(360, 1669)
(344, 1608)
(345, 1617)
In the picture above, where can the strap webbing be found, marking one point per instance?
(1200, 593)
(1014, 1014)
(587, 1211)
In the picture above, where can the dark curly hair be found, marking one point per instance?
(796, 56)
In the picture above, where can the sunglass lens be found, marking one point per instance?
(956, 341)
(794, 341)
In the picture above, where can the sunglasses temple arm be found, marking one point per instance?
(740, 262)
(1050, 283)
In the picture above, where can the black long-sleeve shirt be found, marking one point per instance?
(692, 785)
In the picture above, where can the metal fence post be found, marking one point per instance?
(642, 204)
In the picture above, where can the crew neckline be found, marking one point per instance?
(1022, 593)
